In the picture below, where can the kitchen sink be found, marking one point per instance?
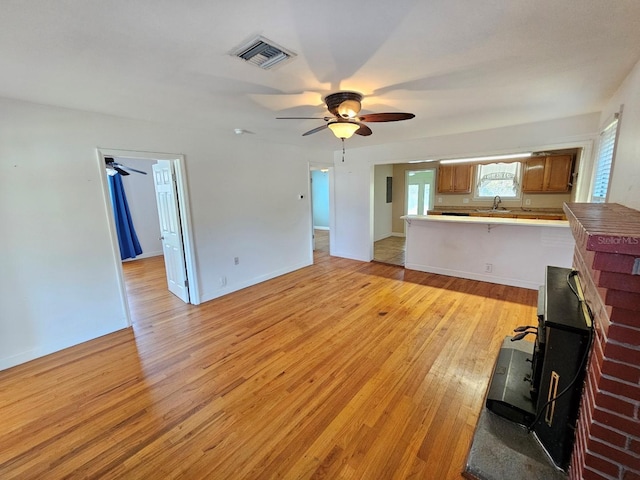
(493, 210)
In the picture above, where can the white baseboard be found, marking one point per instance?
(389, 234)
(52, 347)
(513, 282)
(23, 357)
(233, 287)
(144, 255)
(335, 253)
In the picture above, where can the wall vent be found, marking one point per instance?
(262, 53)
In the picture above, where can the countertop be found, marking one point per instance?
(486, 220)
(543, 213)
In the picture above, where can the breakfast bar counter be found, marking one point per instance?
(507, 251)
(488, 220)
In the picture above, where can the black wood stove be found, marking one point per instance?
(539, 384)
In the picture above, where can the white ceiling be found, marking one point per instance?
(459, 65)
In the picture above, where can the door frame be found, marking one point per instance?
(321, 166)
(182, 191)
(432, 191)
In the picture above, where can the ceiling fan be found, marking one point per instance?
(345, 120)
(114, 167)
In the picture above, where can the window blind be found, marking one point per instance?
(604, 161)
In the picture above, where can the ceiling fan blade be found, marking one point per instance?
(385, 117)
(315, 130)
(132, 169)
(364, 131)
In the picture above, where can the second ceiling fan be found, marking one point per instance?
(346, 121)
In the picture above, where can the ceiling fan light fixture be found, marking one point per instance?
(343, 130)
(349, 108)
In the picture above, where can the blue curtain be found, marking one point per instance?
(127, 238)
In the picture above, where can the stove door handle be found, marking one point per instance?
(522, 328)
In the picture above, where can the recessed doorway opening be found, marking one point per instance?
(174, 204)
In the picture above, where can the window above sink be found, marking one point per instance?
(498, 179)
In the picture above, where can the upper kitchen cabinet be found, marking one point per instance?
(454, 178)
(548, 174)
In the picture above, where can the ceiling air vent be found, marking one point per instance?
(262, 53)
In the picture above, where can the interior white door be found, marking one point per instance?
(170, 231)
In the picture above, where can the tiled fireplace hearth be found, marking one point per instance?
(607, 257)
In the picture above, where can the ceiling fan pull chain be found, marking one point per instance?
(343, 150)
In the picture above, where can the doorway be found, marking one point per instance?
(388, 243)
(320, 208)
(420, 191)
(174, 167)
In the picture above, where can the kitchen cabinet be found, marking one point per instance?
(454, 178)
(548, 174)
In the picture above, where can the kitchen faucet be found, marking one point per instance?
(496, 201)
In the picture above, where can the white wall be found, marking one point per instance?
(141, 197)
(353, 178)
(60, 276)
(382, 210)
(625, 178)
(352, 231)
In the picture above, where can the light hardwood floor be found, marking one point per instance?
(321, 240)
(339, 370)
(390, 250)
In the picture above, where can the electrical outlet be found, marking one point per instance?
(236, 260)
(488, 267)
(223, 281)
(465, 200)
(527, 201)
(439, 199)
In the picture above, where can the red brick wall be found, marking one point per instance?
(607, 257)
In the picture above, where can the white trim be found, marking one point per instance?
(331, 199)
(42, 350)
(187, 229)
(230, 288)
(332, 212)
(115, 252)
(310, 201)
(372, 210)
(144, 255)
(491, 158)
(513, 282)
(185, 215)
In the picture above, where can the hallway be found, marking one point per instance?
(390, 250)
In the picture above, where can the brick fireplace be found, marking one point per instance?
(607, 257)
